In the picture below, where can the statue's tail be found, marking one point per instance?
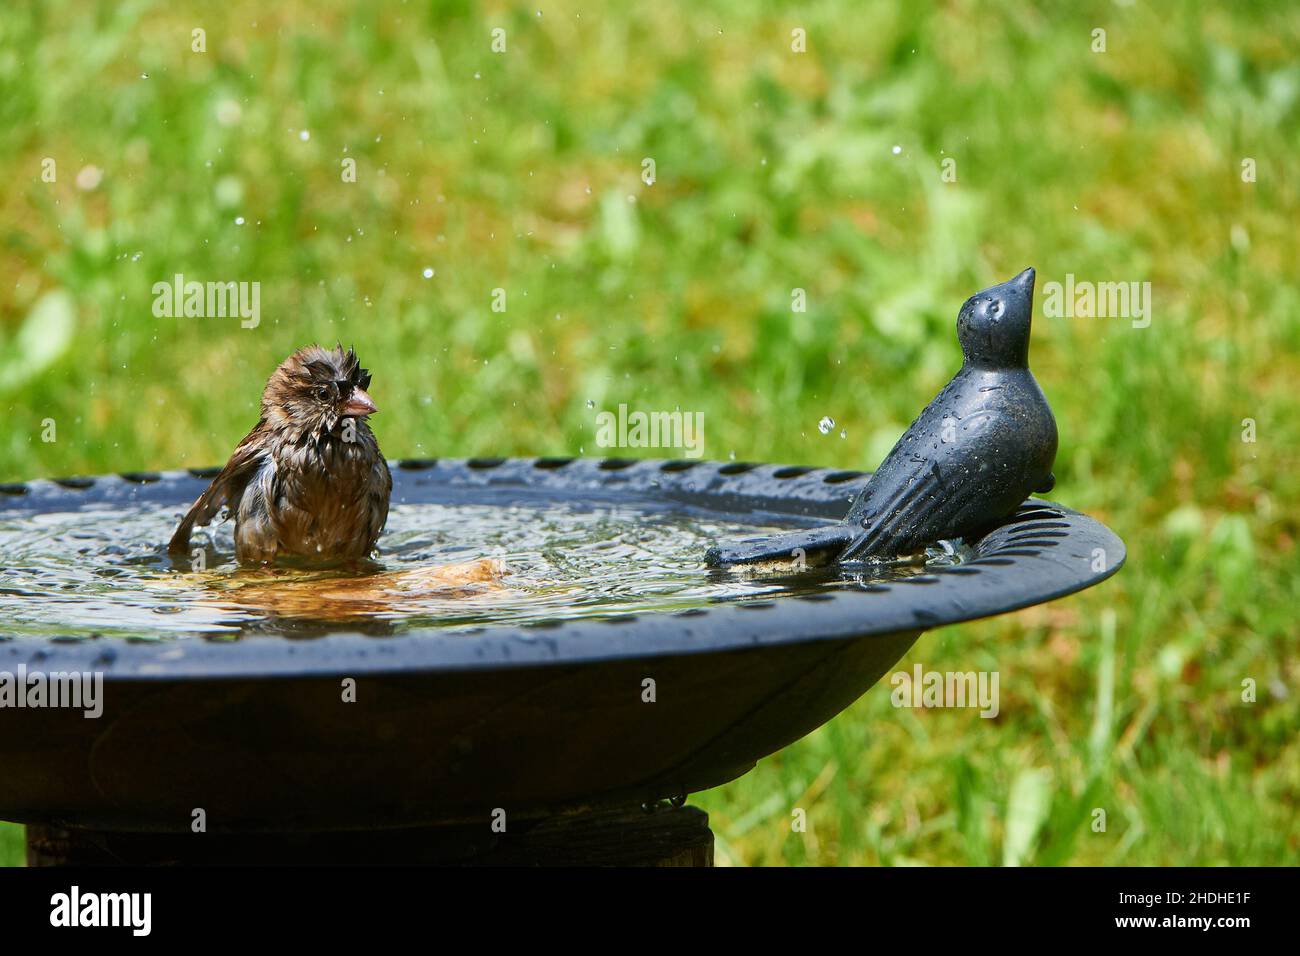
(812, 547)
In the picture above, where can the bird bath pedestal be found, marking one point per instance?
(652, 836)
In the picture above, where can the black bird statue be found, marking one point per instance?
(980, 448)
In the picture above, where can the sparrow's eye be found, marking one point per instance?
(322, 392)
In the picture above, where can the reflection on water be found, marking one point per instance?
(71, 575)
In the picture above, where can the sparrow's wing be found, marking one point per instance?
(380, 490)
(226, 488)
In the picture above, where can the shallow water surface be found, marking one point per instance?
(72, 575)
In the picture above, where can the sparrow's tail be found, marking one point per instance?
(180, 542)
(812, 547)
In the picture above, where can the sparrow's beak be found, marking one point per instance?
(359, 404)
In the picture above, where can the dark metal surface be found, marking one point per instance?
(447, 727)
(424, 748)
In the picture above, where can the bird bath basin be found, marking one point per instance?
(533, 715)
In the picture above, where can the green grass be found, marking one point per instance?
(775, 171)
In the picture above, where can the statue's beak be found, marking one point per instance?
(1025, 281)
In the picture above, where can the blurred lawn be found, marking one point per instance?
(775, 171)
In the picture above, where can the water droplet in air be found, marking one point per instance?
(591, 403)
(428, 273)
(896, 150)
(304, 135)
(239, 220)
(825, 425)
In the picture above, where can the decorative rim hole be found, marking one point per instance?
(485, 463)
(140, 477)
(793, 471)
(1035, 533)
(549, 463)
(76, 483)
(737, 468)
(678, 464)
(755, 605)
(13, 489)
(839, 477)
(1038, 523)
(617, 464)
(416, 464)
(209, 472)
(1034, 514)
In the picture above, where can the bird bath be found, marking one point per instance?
(529, 709)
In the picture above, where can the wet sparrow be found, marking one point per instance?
(309, 479)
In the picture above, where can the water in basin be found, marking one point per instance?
(72, 575)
